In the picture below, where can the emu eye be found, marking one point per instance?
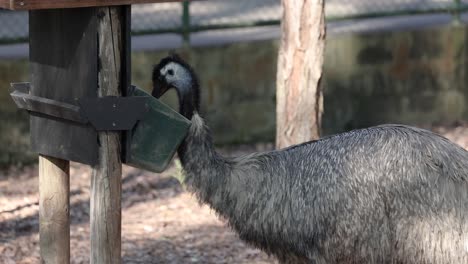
(170, 72)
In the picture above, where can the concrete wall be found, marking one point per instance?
(396, 77)
(237, 87)
(393, 77)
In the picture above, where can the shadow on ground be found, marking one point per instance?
(23, 220)
(210, 244)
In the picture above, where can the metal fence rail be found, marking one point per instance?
(192, 16)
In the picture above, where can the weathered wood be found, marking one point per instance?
(54, 214)
(63, 53)
(299, 95)
(104, 113)
(53, 4)
(48, 107)
(22, 87)
(106, 186)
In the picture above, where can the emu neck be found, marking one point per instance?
(186, 105)
(227, 185)
(206, 171)
(189, 97)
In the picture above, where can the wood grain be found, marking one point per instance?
(54, 214)
(63, 63)
(53, 4)
(299, 100)
(106, 185)
(48, 107)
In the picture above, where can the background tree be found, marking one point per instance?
(299, 94)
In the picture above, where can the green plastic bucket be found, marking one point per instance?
(152, 143)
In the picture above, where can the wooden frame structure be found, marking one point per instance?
(51, 4)
(78, 49)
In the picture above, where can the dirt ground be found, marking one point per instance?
(161, 222)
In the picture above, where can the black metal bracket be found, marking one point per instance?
(103, 113)
(113, 113)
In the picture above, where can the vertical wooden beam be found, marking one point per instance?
(54, 213)
(186, 22)
(106, 185)
(63, 52)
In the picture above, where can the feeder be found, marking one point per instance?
(153, 141)
(153, 130)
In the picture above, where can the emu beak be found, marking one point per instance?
(159, 87)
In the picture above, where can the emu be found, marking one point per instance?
(384, 194)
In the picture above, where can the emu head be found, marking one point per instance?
(173, 72)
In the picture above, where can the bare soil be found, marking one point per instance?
(161, 222)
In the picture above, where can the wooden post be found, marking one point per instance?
(186, 22)
(106, 185)
(63, 67)
(54, 213)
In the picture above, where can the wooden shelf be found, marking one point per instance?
(53, 4)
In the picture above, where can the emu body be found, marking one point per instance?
(385, 194)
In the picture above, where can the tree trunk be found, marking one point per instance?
(299, 95)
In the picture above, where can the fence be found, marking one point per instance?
(192, 16)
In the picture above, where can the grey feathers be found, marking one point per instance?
(386, 194)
